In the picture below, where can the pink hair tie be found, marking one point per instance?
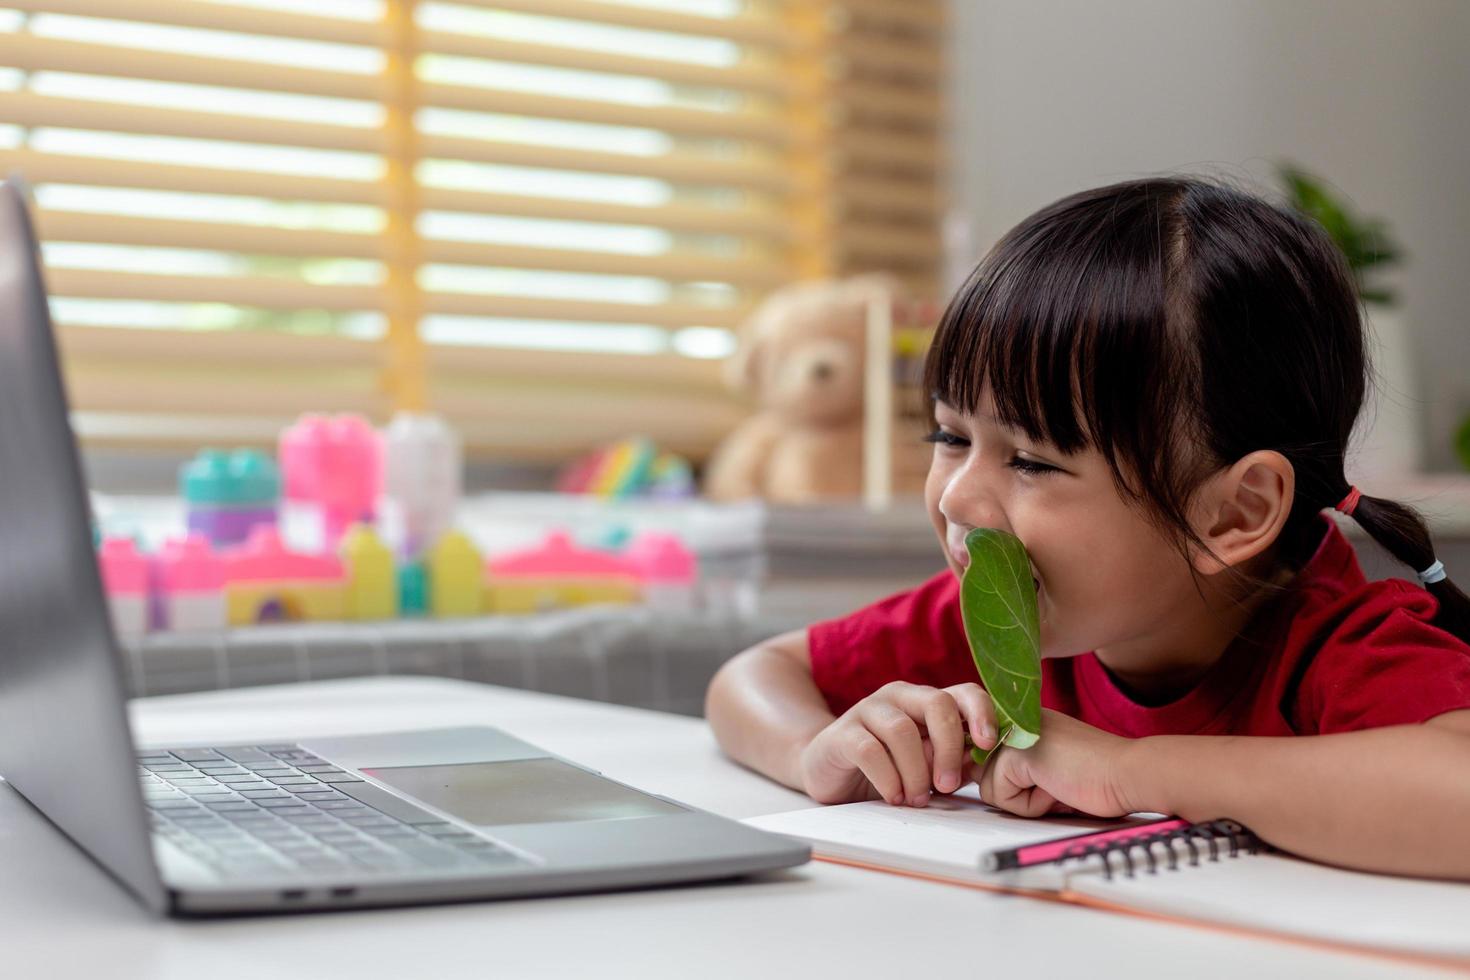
(1349, 503)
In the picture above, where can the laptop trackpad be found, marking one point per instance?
(523, 791)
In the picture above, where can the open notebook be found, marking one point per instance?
(1254, 892)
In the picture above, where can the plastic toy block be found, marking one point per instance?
(333, 468)
(456, 582)
(625, 469)
(124, 568)
(413, 589)
(228, 494)
(189, 586)
(669, 571)
(372, 581)
(125, 580)
(658, 556)
(555, 575)
(422, 481)
(267, 583)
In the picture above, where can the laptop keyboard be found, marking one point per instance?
(268, 809)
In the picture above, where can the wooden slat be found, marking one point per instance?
(906, 107)
(743, 30)
(516, 307)
(63, 168)
(921, 17)
(30, 109)
(257, 291)
(146, 348)
(72, 226)
(468, 365)
(686, 168)
(705, 123)
(151, 430)
(34, 53)
(682, 265)
(200, 390)
(891, 247)
(886, 57)
(764, 223)
(755, 79)
(867, 150)
(537, 421)
(217, 17)
(209, 373)
(910, 198)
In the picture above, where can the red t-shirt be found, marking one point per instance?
(1337, 653)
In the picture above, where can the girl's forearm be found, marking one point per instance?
(1390, 800)
(764, 709)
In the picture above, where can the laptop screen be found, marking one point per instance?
(64, 741)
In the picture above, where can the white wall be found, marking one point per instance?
(1050, 96)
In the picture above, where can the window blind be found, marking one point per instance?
(541, 218)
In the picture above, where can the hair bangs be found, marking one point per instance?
(1066, 326)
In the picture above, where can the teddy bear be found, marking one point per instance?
(801, 355)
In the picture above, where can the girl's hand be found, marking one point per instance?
(897, 744)
(1073, 768)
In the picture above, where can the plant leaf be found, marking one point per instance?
(998, 605)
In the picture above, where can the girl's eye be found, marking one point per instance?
(942, 438)
(1031, 466)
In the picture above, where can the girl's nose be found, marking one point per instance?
(968, 502)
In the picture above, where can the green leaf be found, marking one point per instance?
(998, 605)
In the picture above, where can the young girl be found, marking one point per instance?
(1152, 385)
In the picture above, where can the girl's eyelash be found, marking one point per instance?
(946, 438)
(1028, 466)
(1032, 467)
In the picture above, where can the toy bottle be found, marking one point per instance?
(422, 481)
(228, 494)
(372, 581)
(455, 579)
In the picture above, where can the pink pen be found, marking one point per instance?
(1077, 845)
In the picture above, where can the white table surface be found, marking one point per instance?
(61, 918)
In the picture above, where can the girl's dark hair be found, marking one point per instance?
(1176, 325)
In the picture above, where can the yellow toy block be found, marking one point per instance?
(455, 577)
(372, 582)
(289, 602)
(531, 595)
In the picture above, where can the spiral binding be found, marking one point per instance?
(1207, 839)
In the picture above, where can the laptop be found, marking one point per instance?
(383, 819)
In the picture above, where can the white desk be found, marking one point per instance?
(61, 918)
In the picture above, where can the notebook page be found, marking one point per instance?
(1274, 893)
(947, 837)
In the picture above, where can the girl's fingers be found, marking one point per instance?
(947, 737)
(869, 757)
(979, 713)
(892, 724)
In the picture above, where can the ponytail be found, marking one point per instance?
(1403, 534)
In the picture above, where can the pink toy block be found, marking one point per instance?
(266, 582)
(668, 570)
(124, 568)
(333, 469)
(264, 558)
(660, 557)
(189, 579)
(125, 580)
(558, 557)
(190, 565)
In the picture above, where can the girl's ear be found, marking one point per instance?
(1242, 510)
